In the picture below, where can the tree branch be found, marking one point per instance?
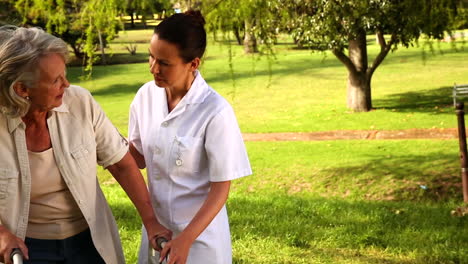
(344, 59)
(214, 7)
(384, 49)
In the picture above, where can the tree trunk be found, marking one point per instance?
(359, 92)
(77, 50)
(359, 81)
(236, 30)
(143, 20)
(101, 47)
(250, 42)
(132, 19)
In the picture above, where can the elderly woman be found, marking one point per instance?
(51, 135)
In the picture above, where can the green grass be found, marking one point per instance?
(339, 202)
(344, 201)
(305, 91)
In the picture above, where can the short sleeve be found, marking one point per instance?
(227, 156)
(111, 146)
(134, 129)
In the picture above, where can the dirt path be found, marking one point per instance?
(430, 133)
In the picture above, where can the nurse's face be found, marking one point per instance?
(168, 68)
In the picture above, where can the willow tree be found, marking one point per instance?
(247, 19)
(342, 26)
(94, 20)
(144, 8)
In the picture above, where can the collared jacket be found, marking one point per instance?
(81, 134)
(198, 142)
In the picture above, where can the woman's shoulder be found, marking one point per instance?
(215, 100)
(147, 90)
(77, 91)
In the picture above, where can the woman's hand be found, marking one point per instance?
(8, 242)
(157, 232)
(179, 247)
(177, 250)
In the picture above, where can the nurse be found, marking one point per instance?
(187, 137)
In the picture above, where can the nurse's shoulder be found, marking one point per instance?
(147, 92)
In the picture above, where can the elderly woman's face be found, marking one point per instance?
(48, 91)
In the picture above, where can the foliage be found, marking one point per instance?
(334, 23)
(341, 26)
(461, 18)
(251, 17)
(8, 14)
(145, 8)
(306, 90)
(82, 24)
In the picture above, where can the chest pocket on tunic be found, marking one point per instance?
(83, 155)
(187, 155)
(8, 180)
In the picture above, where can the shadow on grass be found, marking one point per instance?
(76, 73)
(401, 178)
(423, 55)
(283, 67)
(398, 170)
(117, 89)
(426, 101)
(352, 231)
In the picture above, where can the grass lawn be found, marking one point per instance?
(338, 202)
(330, 201)
(305, 91)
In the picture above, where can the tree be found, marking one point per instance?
(81, 23)
(145, 7)
(342, 27)
(8, 14)
(247, 19)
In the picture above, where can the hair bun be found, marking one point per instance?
(196, 16)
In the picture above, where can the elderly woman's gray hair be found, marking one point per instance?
(20, 51)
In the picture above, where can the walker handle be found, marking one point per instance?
(16, 256)
(161, 242)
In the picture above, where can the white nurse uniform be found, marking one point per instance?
(198, 142)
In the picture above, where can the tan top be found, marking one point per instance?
(81, 135)
(53, 212)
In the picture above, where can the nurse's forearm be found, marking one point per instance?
(219, 192)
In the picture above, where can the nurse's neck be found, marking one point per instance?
(175, 94)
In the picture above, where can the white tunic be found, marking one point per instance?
(198, 142)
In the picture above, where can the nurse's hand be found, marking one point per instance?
(177, 249)
(8, 242)
(157, 232)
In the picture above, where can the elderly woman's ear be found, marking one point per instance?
(20, 89)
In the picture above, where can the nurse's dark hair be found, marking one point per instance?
(187, 31)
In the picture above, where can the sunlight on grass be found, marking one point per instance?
(349, 201)
(337, 202)
(305, 91)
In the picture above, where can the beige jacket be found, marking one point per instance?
(81, 134)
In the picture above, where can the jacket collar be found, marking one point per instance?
(195, 95)
(14, 123)
(198, 91)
